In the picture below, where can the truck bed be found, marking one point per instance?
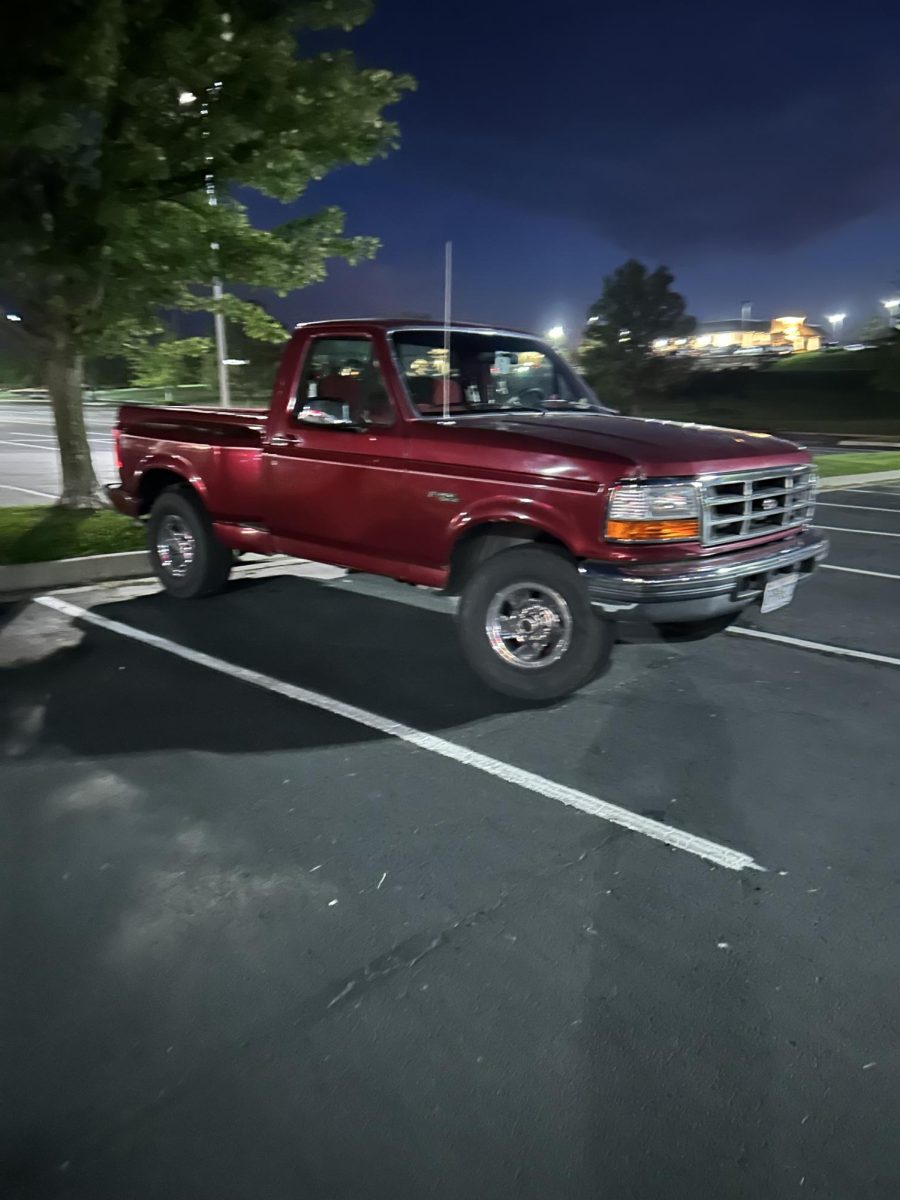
(218, 450)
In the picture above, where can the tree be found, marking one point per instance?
(168, 362)
(635, 308)
(887, 376)
(120, 120)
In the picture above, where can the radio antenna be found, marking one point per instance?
(448, 288)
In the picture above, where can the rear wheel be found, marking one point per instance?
(187, 557)
(527, 626)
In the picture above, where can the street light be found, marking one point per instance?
(836, 321)
(185, 99)
(556, 333)
(13, 317)
(893, 307)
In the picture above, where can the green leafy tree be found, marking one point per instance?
(887, 376)
(168, 362)
(115, 117)
(17, 370)
(636, 308)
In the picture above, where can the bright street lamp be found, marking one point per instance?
(893, 309)
(13, 317)
(186, 98)
(556, 334)
(836, 320)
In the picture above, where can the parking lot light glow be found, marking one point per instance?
(185, 98)
(556, 333)
(13, 317)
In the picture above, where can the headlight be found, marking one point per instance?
(653, 512)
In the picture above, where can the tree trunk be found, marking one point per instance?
(65, 381)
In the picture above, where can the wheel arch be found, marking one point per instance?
(156, 477)
(480, 542)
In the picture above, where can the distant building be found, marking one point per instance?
(780, 334)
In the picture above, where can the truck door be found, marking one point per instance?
(334, 474)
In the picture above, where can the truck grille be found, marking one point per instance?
(750, 504)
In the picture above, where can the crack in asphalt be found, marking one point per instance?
(403, 956)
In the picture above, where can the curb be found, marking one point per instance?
(64, 572)
(834, 483)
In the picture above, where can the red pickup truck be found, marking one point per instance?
(476, 461)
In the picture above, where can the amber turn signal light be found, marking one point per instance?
(653, 531)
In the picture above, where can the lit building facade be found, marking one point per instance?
(719, 337)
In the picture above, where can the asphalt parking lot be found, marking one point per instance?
(29, 466)
(295, 908)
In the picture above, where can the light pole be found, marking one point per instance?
(836, 321)
(184, 99)
(893, 309)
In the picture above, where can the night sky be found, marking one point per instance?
(752, 147)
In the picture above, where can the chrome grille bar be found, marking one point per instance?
(749, 504)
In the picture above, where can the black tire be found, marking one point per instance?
(188, 559)
(579, 640)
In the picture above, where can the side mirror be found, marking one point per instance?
(322, 411)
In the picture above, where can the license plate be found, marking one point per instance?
(778, 592)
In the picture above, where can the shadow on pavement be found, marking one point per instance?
(109, 695)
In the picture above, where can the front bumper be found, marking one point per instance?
(698, 589)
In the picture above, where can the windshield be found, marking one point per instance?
(488, 373)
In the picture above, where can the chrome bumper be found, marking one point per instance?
(695, 589)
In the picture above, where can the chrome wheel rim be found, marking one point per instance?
(175, 546)
(529, 625)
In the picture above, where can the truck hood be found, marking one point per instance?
(652, 446)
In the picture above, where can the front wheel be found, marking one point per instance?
(527, 626)
(188, 559)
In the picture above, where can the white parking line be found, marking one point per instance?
(870, 492)
(722, 856)
(824, 647)
(8, 487)
(857, 571)
(870, 532)
(857, 507)
(13, 420)
(25, 445)
(96, 447)
(100, 438)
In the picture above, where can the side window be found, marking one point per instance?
(341, 377)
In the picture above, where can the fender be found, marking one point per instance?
(517, 510)
(175, 463)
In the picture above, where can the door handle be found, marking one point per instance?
(282, 439)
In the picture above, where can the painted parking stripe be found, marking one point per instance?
(856, 507)
(870, 532)
(98, 438)
(822, 647)
(713, 852)
(26, 445)
(857, 571)
(8, 487)
(886, 491)
(95, 446)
